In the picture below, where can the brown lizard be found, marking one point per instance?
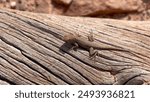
(87, 44)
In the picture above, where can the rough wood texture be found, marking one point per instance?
(32, 52)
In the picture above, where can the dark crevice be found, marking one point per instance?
(16, 71)
(43, 76)
(147, 48)
(127, 30)
(9, 43)
(42, 66)
(7, 80)
(51, 71)
(111, 44)
(125, 83)
(31, 23)
(135, 54)
(22, 32)
(19, 49)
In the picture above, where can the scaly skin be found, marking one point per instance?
(86, 44)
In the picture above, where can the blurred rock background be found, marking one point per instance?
(117, 9)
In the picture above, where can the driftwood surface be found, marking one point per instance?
(32, 52)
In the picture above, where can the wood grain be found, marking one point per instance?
(32, 52)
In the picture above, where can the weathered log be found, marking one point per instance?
(32, 52)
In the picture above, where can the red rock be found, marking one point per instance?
(25, 5)
(40, 6)
(43, 6)
(97, 7)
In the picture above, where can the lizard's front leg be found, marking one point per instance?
(75, 46)
(92, 53)
(91, 38)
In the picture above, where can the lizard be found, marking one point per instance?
(87, 44)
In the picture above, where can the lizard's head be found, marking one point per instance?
(70, 38)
